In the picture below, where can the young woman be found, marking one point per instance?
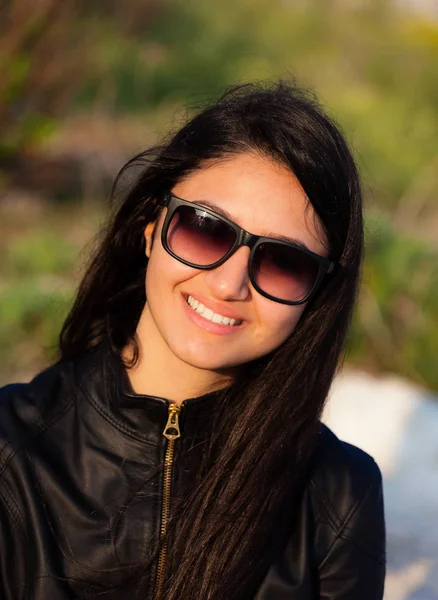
(175, 451)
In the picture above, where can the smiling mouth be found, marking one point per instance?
(209, 315)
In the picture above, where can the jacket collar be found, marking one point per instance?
(103, 379)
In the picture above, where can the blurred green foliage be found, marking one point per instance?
(396, 324)
(40, 263)
(34, 299)
(373, 66)
(39, 252)
(40, 64)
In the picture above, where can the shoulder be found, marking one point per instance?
(27, 409)
(345, 491)
(339, 465)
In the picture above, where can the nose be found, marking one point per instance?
(230, 281)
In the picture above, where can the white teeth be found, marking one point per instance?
(208, 314)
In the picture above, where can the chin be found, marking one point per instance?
(208, 359)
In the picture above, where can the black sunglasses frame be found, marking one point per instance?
(243, 238)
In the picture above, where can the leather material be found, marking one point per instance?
(80, 485)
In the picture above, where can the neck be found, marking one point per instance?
(159, 372)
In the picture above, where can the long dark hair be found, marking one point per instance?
(254, 462)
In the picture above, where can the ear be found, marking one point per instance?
(149, 234)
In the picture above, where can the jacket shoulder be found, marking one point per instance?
(340, 464)
(27, 409)
(346, 492)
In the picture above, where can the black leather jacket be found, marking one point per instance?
(74, 444)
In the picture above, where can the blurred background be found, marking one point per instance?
(86, 84)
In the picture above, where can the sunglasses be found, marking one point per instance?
(281, 271)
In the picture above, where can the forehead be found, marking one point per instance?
(260, 195)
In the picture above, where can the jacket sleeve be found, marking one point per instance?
(354, 566)
(12, 555)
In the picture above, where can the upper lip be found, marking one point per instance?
(215, 306)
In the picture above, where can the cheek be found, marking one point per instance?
(164, 272)
(277, 321)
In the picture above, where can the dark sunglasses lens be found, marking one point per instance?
(198, 237)
(284, 272)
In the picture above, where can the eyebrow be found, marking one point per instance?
(274, 236)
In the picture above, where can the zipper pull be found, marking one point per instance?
(171, 431)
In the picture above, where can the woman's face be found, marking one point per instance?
(264, 198)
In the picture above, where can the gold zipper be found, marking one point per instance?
(171, 432)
